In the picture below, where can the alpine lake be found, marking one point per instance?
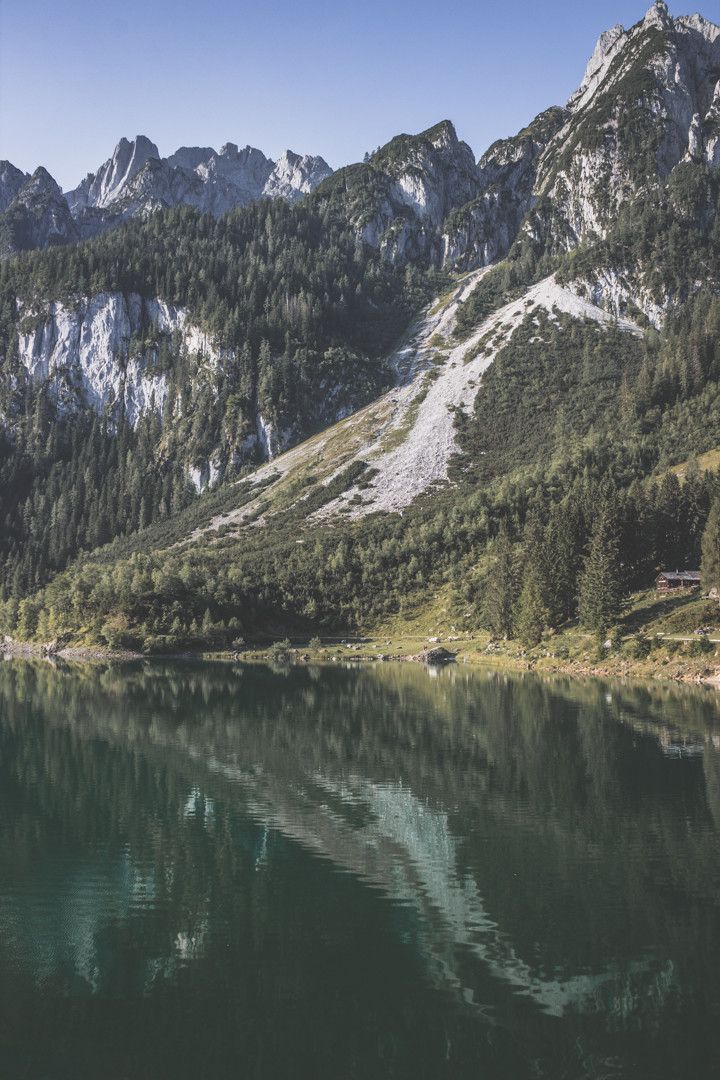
(222, 870)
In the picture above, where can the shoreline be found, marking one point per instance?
(369, 651)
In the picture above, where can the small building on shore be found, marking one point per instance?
(677, 579)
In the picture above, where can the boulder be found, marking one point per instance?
(434, 657)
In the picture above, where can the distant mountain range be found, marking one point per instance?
(136, 180)
(431, 199)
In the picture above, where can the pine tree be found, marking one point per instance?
(564, 540)
(501, 591)
(531, 615)
(531, 611)
(600, 585)
(710, 562)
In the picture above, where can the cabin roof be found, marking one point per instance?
(680, 575)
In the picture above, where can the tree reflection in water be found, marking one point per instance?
(422, 876)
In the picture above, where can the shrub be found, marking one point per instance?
(700, 646)
(640, 646)
(279, 651)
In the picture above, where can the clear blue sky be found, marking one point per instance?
(331, 77)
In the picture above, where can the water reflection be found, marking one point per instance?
(534, 859)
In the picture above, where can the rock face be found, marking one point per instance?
(11, 181)
(189, 157)
(85, 353)
(649, 100)
(399, 199)
(484, 229)
(232, 177)
(105, 352)
(36, 216)
(112, 179)
(711, 130)
(294, 175)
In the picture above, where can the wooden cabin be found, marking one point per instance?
(677, 579)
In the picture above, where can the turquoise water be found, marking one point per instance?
(216, 871)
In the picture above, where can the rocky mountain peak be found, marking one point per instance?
(617, 40)
(41, 183)
(443, 136)
(232, 178)
(102, 188)
(646, 103)
(127, 161)
(658, 15)
(295, 175)
(11, 180)
(38, 215)
(189, 157)
(708, 30)
(400, 197)
(604, 49)
(140, 146)
(136, 180)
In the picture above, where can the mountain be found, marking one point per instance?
(648, 100)
(137, 181)
(399, 199)
(424, 198)
(371, 386)
(295, 175)
(484, 229)
(11, 180)
(109, 183)
(36, 214)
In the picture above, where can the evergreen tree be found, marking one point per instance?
(531, 615)
(600, 587)
(501, 589)
(531, 611)
(710, 564)
(564, 536)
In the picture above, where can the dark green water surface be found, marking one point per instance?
(214, 871)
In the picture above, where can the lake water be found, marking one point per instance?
(221, 871)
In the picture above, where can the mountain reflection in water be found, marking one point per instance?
(397, 875)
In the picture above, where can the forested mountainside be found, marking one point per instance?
(495, 364)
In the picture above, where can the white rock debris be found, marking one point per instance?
(417, 418)
(422, 457)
